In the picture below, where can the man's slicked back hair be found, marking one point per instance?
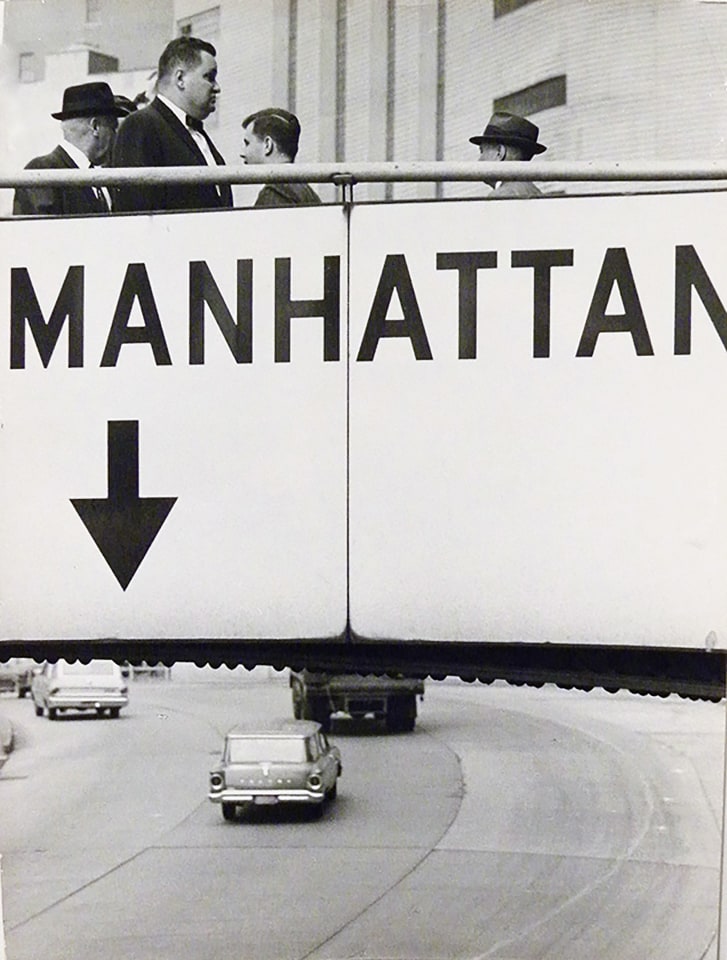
(183, 51)
(280, 125)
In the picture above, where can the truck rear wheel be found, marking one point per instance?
(401, 714)
(318, 709)
(322, 714)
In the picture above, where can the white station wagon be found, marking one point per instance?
(61, 686)
(290, 761)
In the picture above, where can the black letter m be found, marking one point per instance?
(24, 307)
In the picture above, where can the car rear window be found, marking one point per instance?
(268, 750)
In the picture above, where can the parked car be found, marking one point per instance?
(62, 686)
(290, 761)
(16, 675)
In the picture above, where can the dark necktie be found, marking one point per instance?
(100, 195)
(198, 126)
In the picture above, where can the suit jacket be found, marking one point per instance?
(514, 190)
(286, 195)
(155, 137)
(56, 201)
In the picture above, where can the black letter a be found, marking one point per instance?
(395, 276)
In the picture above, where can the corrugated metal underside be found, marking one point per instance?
(696, 674)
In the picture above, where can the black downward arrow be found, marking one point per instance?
(124, 525)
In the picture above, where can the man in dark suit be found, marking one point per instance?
(169, 132)
(509, 137)
(89, 118)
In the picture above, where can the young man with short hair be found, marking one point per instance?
(271, 136)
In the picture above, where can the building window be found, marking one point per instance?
(205, 25)
(501, 7)
(540, 96)
(102, 62)
(27, 68)
(93, 11)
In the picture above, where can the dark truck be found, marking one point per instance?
(391, 699)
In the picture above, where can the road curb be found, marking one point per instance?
(7, 739)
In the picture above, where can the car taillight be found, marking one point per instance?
(314, 781)
(217, 781)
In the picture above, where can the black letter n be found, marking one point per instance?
(24, 306)
(690, 273)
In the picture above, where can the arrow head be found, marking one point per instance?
(123, 532)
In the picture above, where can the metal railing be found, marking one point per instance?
(348, 174)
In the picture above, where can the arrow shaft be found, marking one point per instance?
(123, 461)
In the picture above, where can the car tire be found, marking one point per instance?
(333, 792)
(229, 811)
(114, 712)
(38, 709)
(52, 713)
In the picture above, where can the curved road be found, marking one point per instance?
(513, 823)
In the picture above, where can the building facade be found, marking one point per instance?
(414, 79)
(122, 34)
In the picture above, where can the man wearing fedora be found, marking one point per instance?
(89, 118)
(509, 137)
(170, 132)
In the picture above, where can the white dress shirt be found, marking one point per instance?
(83, 163)
(199, 138)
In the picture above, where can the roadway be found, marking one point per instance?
(512, 823)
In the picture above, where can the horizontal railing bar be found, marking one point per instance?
(345, 173)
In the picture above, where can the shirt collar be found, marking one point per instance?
(78, 156)
(177, 111)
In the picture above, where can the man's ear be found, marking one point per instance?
(501, 151)
(268, 146)
(179, 77)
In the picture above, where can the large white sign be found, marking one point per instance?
(539, 421)
(435, 421)
(173, 440)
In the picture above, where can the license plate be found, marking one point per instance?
(266, 801)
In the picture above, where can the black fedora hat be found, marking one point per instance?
(508, 128)
(89, 100)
